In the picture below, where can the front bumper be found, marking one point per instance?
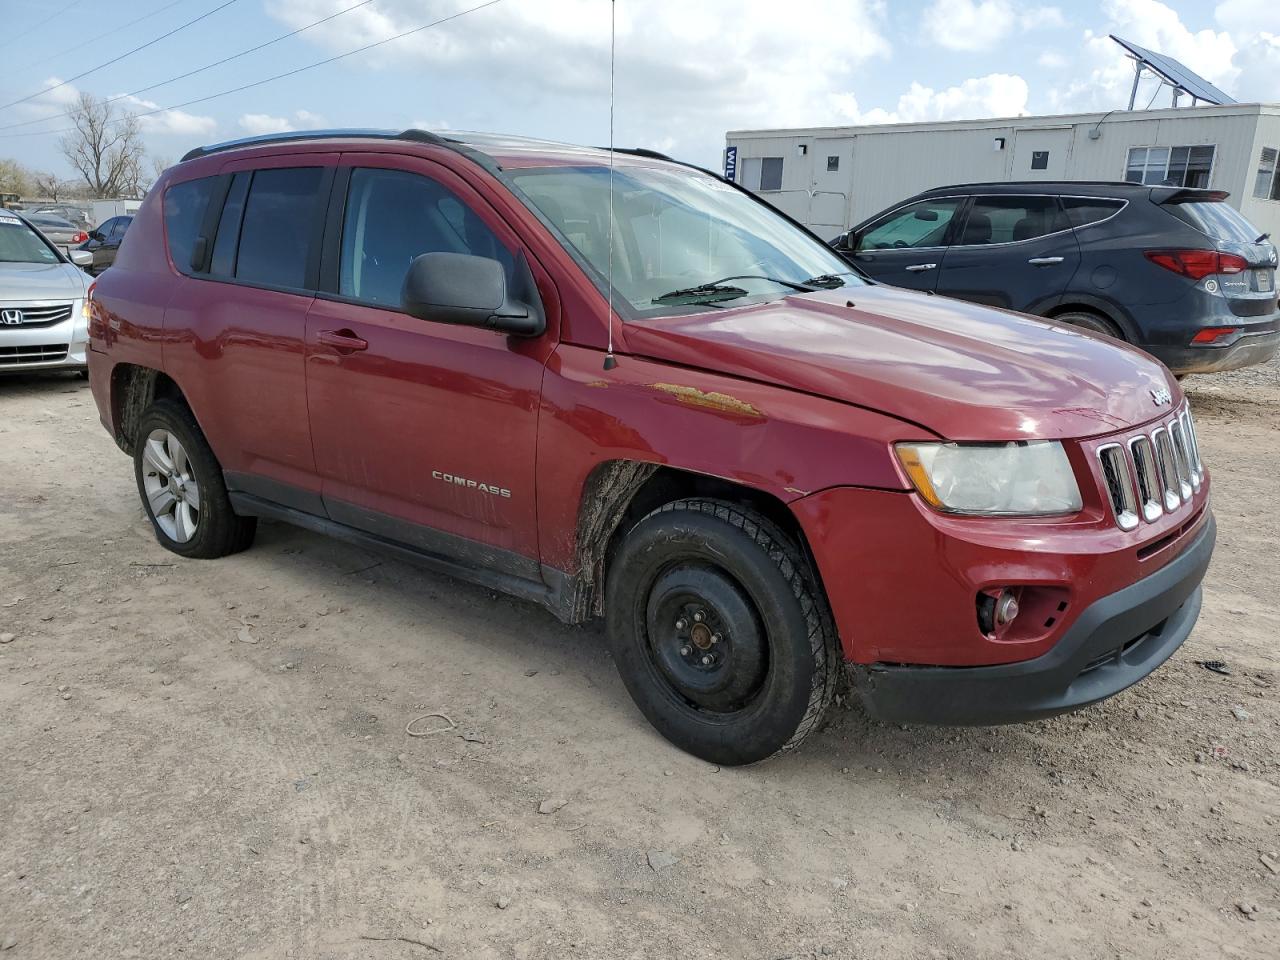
(1244, 351)
(1115, 642)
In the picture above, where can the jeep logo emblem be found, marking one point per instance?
(1161, 397)
(11, 317)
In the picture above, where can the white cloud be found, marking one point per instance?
(995, 95)
(1052, 60)
(974, 25)
(259, 123)
(1259, 55)
(685, 71)
(169, 122)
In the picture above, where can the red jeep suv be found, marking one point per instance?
(621, 386)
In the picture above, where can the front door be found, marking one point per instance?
(423, 432)
(905, 247)
(1017, 252)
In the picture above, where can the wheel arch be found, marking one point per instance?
(1077, 303)
(619, 493)
(133, 389)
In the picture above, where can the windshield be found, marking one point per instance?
(1218, 220)
(20, 244)
(676, 233)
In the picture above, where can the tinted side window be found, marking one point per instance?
(184, 209)
(393, 216)
(1009, 219)
(280, 218)
(121, 225)
(921, 224)
(223, 263)
(1082, 211)
(106, 227)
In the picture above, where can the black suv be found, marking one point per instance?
(1178, 272)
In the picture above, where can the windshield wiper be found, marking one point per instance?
(720, 290)
(827, 281)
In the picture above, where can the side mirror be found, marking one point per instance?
(81, 258)
(472, 291)
(96, 235)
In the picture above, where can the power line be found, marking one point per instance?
(128, 53)
(192, 73)
(101, 36)
(48, 19)
(279, 76)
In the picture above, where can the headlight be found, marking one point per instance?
(1001, 479)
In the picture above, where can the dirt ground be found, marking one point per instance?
(209, 759)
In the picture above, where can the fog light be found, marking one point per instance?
(996, 608)
(1006, 608)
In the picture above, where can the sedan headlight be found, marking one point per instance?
(996, 479)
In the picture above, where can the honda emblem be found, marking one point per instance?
(11, 317)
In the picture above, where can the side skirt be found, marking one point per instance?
(558, 593)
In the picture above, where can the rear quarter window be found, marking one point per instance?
(184, 209)
(1082, 211)
(1215, 219)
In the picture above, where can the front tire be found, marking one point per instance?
(720, 631)
(182, 488)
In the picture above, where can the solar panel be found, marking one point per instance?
(1178, 74)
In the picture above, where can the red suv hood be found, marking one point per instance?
(965, 372)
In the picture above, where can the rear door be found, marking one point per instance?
(905, 246)
(1015, 252)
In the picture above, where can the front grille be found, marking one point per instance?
(37, 353)
(29, 315)
(1153, 473)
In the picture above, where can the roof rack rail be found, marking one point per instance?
(641, 152)
(299, 136)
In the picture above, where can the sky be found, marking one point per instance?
(686, 71)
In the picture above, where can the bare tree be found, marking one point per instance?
(48, 185)
(106, 148)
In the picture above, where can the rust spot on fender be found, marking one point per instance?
(597, 384)
(720, 402)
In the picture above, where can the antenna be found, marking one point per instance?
(610, 361)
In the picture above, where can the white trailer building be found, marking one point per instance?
(831, 178)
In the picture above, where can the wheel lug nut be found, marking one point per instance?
(697, 617)
(686, 650)
(707, 660)
(682, 624)
(716, 638)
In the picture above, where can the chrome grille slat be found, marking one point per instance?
(1148, 474)
(1153, 473)
(40, 314)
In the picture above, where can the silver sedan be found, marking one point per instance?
(62, 232)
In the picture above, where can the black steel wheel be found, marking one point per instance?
(720, 631)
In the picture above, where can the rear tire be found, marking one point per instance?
(1092, 322)
(182, 489)
(720, 631)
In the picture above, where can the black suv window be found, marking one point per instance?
(920, 224)
(393, 216)
(119, 227)
(184, 209)
(1082, 211)
(280, 220)
(1010, 219)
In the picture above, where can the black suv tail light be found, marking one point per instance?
(1197, 264)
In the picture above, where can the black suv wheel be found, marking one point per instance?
(720, 631)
